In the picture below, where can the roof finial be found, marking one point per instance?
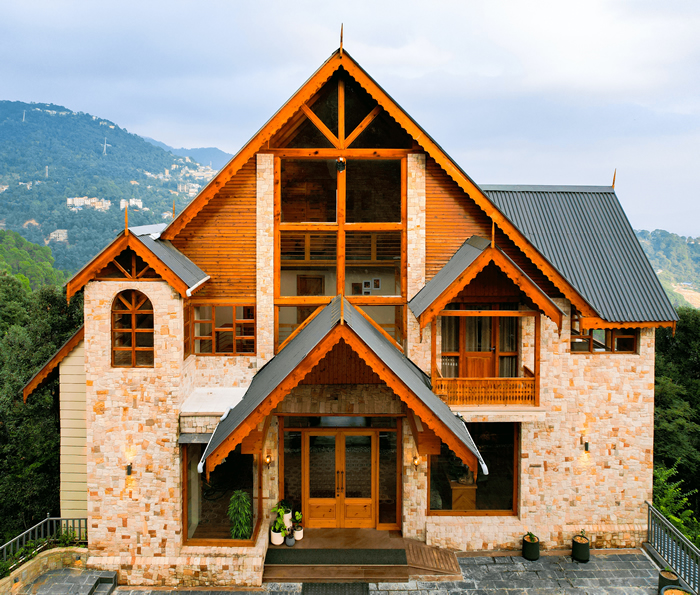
(614, 176)
(126, 220)
(173, 208)
(341, 40)
(493, 234)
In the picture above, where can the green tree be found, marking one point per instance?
(670, 499)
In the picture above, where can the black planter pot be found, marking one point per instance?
(580, 548)
(665, 581)
(668, 588)
(531, 549)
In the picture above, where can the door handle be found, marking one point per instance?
(337, 483)
(342, 482)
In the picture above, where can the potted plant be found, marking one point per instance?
(531, 546)
(289, 537)
(286, 513)
(580, 547)
(298, 529)
(675, 590)
(667, 577)
(277, 531)
(240, 513)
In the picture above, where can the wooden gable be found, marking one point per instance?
(302, 117)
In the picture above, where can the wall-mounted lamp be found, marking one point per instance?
(585, 446)
(416, 461)
(268, 460)
(340, 164)
(128, 469)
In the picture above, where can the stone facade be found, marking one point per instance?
(606, 400)
(265, 252)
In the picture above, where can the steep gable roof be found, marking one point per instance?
(340, 314)
(585, 234)
(343, 60)
(174, 267)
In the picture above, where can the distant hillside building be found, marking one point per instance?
(76, 203)
(58, 235)
(132, 202)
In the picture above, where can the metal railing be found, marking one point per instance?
(674, 547)
(41, 535)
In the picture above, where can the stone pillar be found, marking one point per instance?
(265, 249)
(415, 488)
(416, 350)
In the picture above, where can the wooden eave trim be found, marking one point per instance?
(464, 278)
(273, 125)
(297, 375)
(510, 269)
(592, 322)
(91, 270)
(50, 366)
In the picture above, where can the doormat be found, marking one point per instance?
(310, 557)
(335, 589)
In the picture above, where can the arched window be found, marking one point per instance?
(132, 330)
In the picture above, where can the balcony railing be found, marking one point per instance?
(486, 391)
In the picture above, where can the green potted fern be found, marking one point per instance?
(240, 513)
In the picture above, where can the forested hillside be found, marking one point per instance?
(216, 158)
(34, 323)
(49, 153)
(676, 260)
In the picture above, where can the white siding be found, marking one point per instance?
(73, 434)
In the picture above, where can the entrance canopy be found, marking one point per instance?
(339, 320)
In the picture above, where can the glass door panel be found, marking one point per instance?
(322, 472)
(387, 477)
(357, 480)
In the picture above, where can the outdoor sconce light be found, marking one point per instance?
(340, 164)
(128, 469)
(585, 446)
(416, 461)
(268, 460)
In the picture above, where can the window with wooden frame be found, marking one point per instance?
(480, 346)
(132, 330)
(219, 329)
(617, 340)
(454, 490)
(340, 204)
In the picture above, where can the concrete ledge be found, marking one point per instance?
(53, 559)
(502, 413)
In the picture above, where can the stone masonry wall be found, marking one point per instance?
(135, 521)
(265, 230)
(605, 399)
(418, 351)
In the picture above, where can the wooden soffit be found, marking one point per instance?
(124, 241)
(493, 255)
(340, 332)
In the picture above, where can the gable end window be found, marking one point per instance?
(222, 329)
(132, 330)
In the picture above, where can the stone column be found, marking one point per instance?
(416, 350)
(265, 234)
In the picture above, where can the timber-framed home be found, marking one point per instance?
(343, 319)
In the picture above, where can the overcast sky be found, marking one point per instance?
(537, 92)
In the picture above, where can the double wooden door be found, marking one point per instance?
(339, 487)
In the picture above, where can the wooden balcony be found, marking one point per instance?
(486, 391)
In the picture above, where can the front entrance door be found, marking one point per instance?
(339, 490)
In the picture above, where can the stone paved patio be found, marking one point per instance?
(609, 574)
